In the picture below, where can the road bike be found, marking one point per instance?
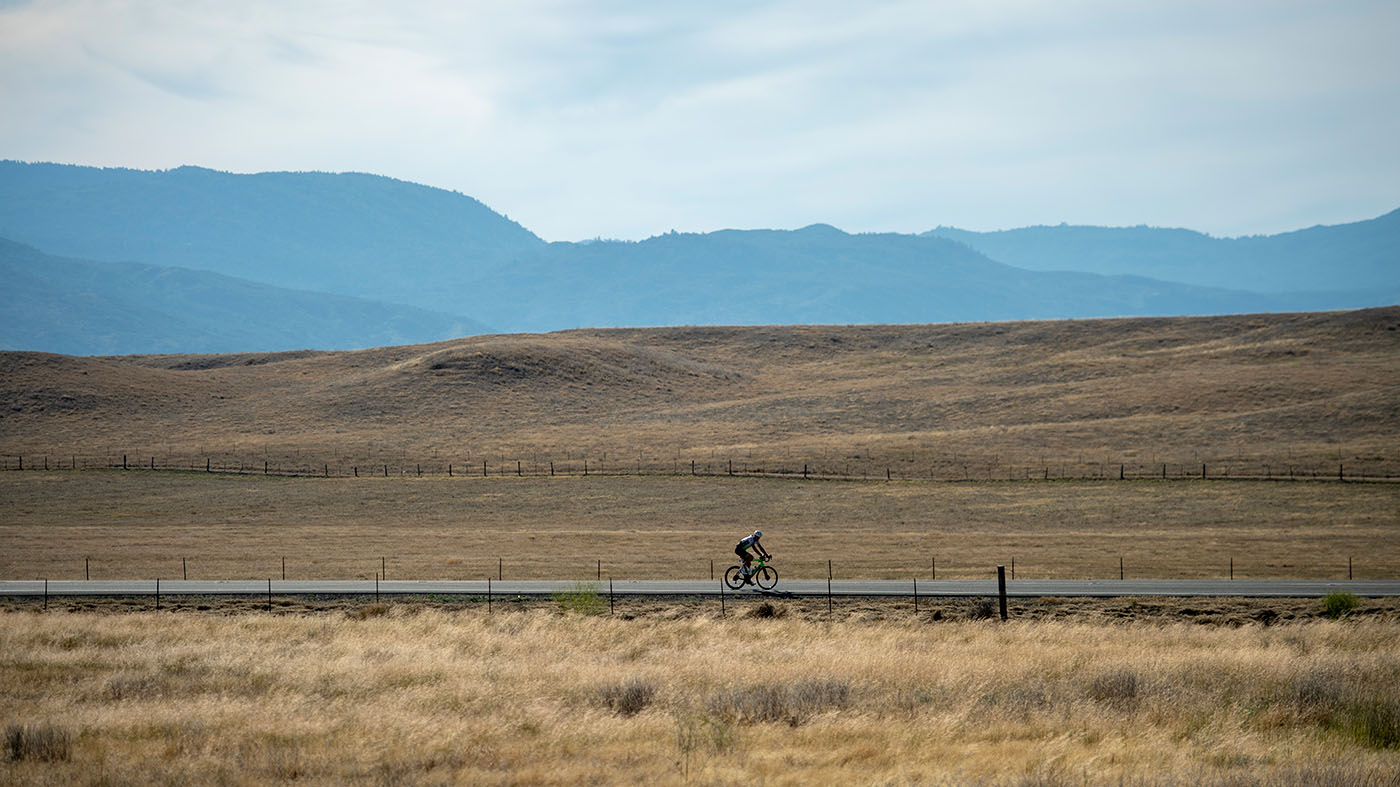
(765, 575)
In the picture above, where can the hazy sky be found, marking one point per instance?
(628, 119)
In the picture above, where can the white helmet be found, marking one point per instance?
(758, 534)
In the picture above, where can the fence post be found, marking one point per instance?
(46, 593)
(712, 569)
(284, 569)
(721, 598)
(551, 468)
(1232, 568)
(916, 595)
(376, 588)
(1120, 568)
(483, 468)
(449, 469)
(731, 467)
(384, 567)
(611, 609)
(420, 471)
(500, 568)
(488, 595)
(157, 594)
(87, 575)
(269, 594)
(1348, 568)
(828, 597)
(386, 471)
(600, 570)
(933, 568)
(123, 462)
(206, 465)
(1340, 477)
(1120, 477)
(185, 572)
(517, 468)
(585, 467)
(1203, 471)
(326, 470)
(1001, 589)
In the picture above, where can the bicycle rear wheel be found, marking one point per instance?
(767, 577)
(734, 577)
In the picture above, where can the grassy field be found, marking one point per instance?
(1245, 395)
(396, 695)
(141, 525)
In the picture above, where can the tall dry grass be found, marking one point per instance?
(402, 697)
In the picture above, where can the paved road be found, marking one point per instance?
(796, 587)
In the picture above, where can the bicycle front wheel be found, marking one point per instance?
(734, 577)
(767, 577)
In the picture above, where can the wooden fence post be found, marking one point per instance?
(721, 597)
(500, 568)
(611, 609)
(384, 567)
(488, 595)
(933, 568)
(1001, 589)
(1120, 568)
(157, 594)
(916, 595)
(269, 593)
(87, 575)
(184, 569)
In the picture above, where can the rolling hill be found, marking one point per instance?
(81, 307)
(1310, 390)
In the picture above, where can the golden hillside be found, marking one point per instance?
(1240, 392)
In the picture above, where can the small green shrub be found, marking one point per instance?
(584, 598)
(628, 698)
(39, 743)
(1338, 605)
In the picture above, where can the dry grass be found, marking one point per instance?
(542, 697)
(140, 525)
(1256, 394)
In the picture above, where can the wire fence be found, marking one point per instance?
(950, 469)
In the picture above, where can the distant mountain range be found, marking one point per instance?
(1361, 255)
(415, 264)
(80, 307)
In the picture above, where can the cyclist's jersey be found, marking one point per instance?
(748, 541)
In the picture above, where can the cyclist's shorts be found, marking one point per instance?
(741, 552)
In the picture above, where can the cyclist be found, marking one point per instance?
(742, 550)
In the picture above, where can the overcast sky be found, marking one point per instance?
(628, 119)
